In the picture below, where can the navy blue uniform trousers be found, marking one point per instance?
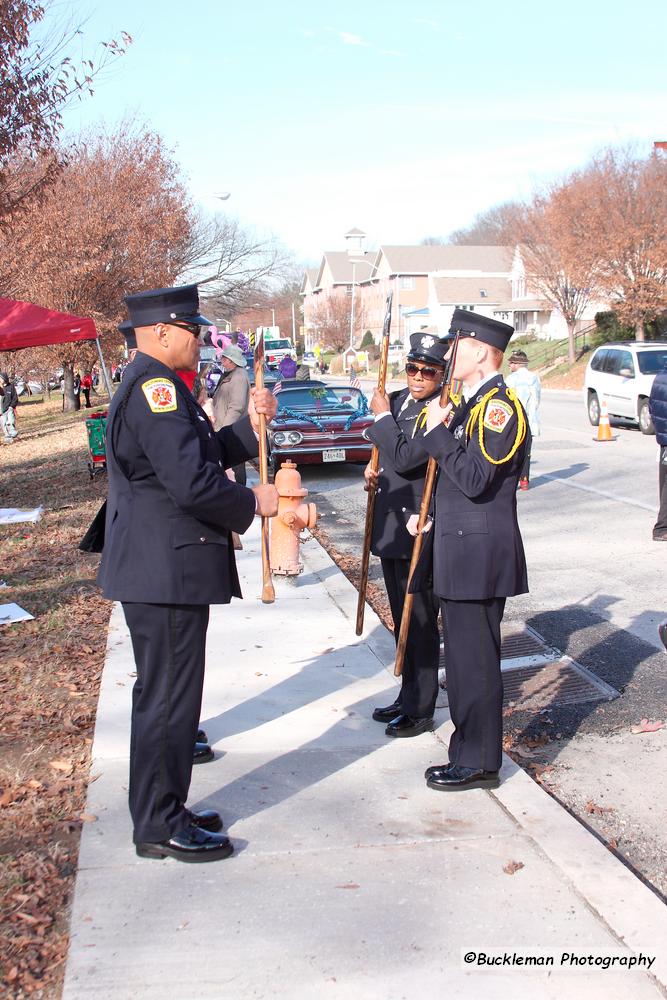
(169, 643)
(474, 680)
(419, 681)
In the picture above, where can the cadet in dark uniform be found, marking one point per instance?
(398, 432)
(478, 557)
(168, 555)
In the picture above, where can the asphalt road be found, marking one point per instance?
(597, 593)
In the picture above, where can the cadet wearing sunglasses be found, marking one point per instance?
(426, 372)
(398, 432)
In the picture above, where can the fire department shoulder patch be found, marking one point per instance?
(497, 414)
(160, 394)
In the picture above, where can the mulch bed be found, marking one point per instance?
(50, 670)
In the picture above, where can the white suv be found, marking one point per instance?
(622, 375)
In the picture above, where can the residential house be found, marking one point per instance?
(529, 312)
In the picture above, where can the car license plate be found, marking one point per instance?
(333, 455)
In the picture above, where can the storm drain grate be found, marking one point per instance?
(519, 648)
(523, 643)
(559, 682)
(535, 676)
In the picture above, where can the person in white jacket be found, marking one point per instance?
(528, 388)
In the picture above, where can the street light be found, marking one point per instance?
(259, 305)
(223, 195)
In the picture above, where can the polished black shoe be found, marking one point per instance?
(406, 726)
(202, 753)
(437, 769)
(662, 632)
(192, 844)
(207, 819)
(201, 736)
(388, 713)
(457, 778)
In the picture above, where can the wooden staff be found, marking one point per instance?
(429, 483)
(375, 462)
(268, 591)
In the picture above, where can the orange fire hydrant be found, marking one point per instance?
(292, 517)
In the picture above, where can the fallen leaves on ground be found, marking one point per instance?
(49, 678)
(647, 727)
(593, 809)
(513, 866)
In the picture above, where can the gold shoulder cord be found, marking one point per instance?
(420, 421)
(477, 414)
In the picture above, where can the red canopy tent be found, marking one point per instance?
(23, 324)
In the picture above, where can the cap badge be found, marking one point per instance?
(427, 342)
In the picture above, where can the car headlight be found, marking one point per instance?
(279, 437)
(295, 437)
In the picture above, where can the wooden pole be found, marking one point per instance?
(268, 591)
(429, 483)
(375, 462)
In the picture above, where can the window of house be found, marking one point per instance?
(482, 293)
(407, 284)
(348, 291)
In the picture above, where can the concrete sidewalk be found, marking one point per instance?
(350, 879)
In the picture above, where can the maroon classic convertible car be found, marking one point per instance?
(318, 423)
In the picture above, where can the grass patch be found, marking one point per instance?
(36, 413)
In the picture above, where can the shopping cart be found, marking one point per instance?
(96, 427)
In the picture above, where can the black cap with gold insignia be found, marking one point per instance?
(426, 347)
(127, 330)
(166, 305)
(483, 328)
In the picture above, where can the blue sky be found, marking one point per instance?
(404, 119)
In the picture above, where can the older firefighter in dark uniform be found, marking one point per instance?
(478, 557)
(400, 423)
(168, 555)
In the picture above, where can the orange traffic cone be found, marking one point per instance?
(604, 427)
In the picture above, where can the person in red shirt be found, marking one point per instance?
(86, 386)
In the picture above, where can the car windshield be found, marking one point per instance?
(276, 345)
(341, 398)
(652, 362)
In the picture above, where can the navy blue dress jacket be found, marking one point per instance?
(171, 508)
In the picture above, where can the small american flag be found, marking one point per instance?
(277, 387)
(355, 383)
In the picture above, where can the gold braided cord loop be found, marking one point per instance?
(477, 414)
(420, 421)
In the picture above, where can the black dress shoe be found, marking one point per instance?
(202, 753)
(192, 844)
(406, 726)
(207, 819)
(388, 713)
(437, 769)
(201, 736)
(457, 777)
(662, 632)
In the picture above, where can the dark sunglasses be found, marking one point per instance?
(427, 373)
(193, 328)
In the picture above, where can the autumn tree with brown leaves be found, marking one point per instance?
(116, 220)
(623, 203)
(558, 263)
(331, 320)
(493, 227)
(38, 79)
